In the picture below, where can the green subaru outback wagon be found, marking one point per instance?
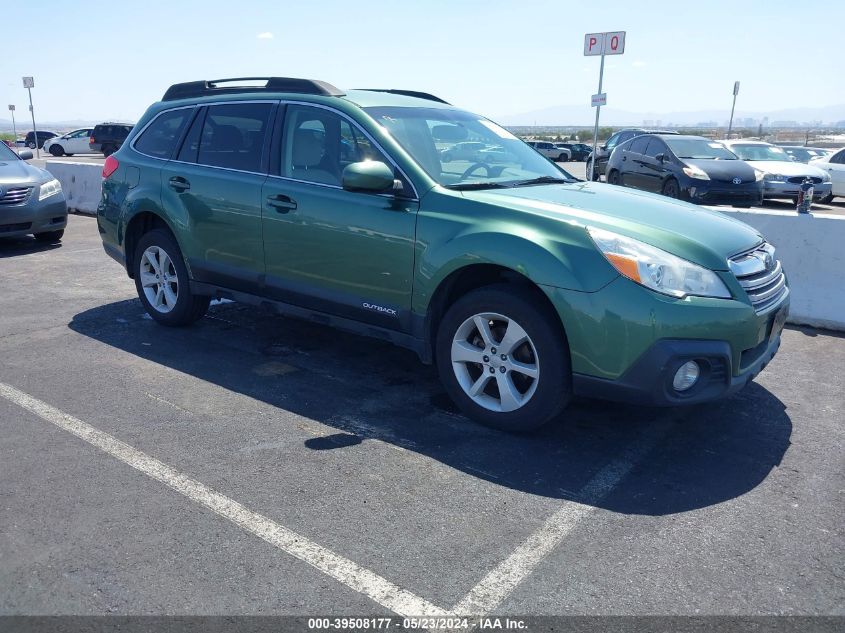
(392, 214)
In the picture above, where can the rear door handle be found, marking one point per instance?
(177, 183)
(282, 204)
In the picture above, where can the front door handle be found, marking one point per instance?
(177, 183)
(282, 204)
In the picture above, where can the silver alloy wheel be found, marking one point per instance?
(159, 279)
(495, 362)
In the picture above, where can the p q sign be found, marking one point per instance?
(612, 43)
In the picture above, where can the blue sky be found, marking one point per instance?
(96, 60)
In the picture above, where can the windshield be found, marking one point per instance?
(6, 153)
(462, 150)
(760, 152)
(699, 148)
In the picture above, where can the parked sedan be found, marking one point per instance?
(75, 142)
(781, 175)
(692, 168)
(578, 151)
(551, 152)
(31, 200)
(835, 166)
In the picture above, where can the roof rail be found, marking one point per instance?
(205, 88)
(408, 93)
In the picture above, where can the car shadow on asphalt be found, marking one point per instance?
(15, 246)
(370, 390)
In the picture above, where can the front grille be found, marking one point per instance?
(15, 195)
(761, 276)
(10, 228)
(797, 180)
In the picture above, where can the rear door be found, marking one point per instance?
(836, 168)
(214, 188)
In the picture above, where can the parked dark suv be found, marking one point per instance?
(108, 137)
(37, 139)
(603, 152)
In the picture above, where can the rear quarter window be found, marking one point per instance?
(160, 138)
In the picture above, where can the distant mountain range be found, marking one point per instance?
(577, 115)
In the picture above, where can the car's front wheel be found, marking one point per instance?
(671, 189)
(503, 358)
(827, 199)
(57, 150)
(161, 279)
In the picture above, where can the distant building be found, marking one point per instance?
(785, 124)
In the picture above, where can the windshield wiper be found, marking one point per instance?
(542, 180)
(470, 186)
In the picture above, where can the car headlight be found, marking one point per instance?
(656, 269)
(759, 175)
(696, 172)
(49, 188)
(825, 177)
(773, 177)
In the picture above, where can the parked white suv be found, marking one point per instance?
(549, 150)
(75, 142)
(835, 166)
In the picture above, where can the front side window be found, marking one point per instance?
(613, 141)
(160, 138)
(460, 150)
(655, 147)
(318, 144)
(233, 136)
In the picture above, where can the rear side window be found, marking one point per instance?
(160, 138)
(638, 145)
(233, 136)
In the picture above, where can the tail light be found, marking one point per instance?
(90, 139)
(110, 166)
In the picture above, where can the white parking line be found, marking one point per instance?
(341, 569)
(497, 585)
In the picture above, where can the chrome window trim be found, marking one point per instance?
(343, 115)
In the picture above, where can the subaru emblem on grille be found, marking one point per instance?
(737, 181)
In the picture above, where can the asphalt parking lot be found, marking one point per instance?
(257, 465)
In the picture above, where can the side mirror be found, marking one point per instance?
(27, 155)
(368, 175)
(661, 158)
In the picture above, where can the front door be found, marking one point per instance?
(348, 253)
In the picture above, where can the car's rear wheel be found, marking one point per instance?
(50, 236)
(161, 279)
(671, 189)
(57, 150)
(503, 358)
(563, 158)
(613, 177)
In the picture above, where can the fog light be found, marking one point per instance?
(686, 376)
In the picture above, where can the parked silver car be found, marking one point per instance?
(782, 176)
(549, 150)
(31, 200)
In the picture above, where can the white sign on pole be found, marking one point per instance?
(599, 99)
(736, 88)
(612, 43)
(29, 82)
(11, 107)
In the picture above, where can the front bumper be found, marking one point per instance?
(715, 192)
(790, 190)
(33, 216)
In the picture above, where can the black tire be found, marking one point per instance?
(66, 154)
(596, 175)
(553, 390)
(613, 177)
(562, 158)
(57, 150)
(827, 199)
(671, 189)
(189, 307)
(31, 145)
(50, 237)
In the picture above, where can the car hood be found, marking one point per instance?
(19, 172)
(724, 170)
(693, 233)
(786, 168)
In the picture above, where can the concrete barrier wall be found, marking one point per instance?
(81, 184)
(812, 250)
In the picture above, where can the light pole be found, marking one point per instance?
(14, 127)
(29, 84)
(733, 107)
